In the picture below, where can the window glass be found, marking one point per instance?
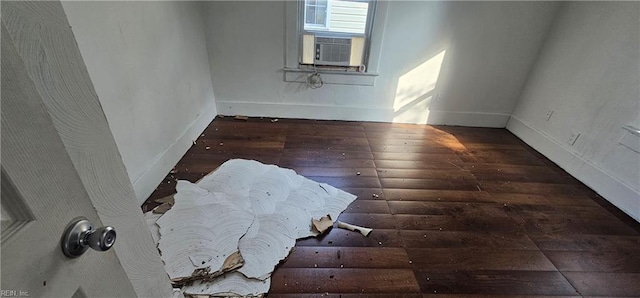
(339, 16)
(315, 14)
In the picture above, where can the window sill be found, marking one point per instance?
(331, 76)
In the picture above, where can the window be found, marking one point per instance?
(336, 32)
(309, 24)
(315, 14)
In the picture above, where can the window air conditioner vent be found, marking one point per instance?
(335, 51)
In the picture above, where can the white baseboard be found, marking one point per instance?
(493, 120)
(620, 194)
(300, 111)
(320, 112)
(146, 183)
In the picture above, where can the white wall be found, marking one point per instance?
(588, 74)
(148, 63)
(489, 49)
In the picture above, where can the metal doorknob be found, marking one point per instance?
(80, 235)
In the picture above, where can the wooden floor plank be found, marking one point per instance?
(395, 142)
(569, 226)
(533, 199)
(596, 261)
(594, 243)
(528, 188)
(511, 157)
(335, 172)
(325, 126)
(347, 257)
(344, 238)
(545, 219)
(324, 141)
(420, 165)
(464, 239)
(344, 280)
(326, 154)
(301, 130)
(338, 146)
(494, 282)
(416, 156)
(447, 208)
(426, 174)
(368, 206)
(374, 221)
(353, 181)
(605, 284)
(518, 173)
(476, 223)
(474, 259)
(412, 183)
(430, 148)
(292, 162)
(366, 193)
(435, 195)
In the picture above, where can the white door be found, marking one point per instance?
(59, 161)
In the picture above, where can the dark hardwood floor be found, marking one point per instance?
(463, 211)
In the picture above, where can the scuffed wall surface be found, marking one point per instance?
(588, 74)
(148, 63)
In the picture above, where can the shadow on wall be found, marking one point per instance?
(415, 91)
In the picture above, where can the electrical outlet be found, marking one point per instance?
(548, 115)
(574, 136)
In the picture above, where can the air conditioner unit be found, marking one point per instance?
(331, 50)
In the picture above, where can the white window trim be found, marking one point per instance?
(292, 70)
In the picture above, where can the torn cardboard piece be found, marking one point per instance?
(165, 204)
(168, 199)
(229, 285)
(162, 208)
(232, 262)
(362, 230)
(322, 224)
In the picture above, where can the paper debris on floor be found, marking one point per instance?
(268, 240)
(225, 234)
(200, 232)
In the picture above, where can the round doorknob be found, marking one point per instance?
(101, 239)
(80, 235)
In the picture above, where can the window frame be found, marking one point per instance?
(367, 32)
(294, 71)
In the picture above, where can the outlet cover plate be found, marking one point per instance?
(574, 136)
(548, 115)
(631, 138)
